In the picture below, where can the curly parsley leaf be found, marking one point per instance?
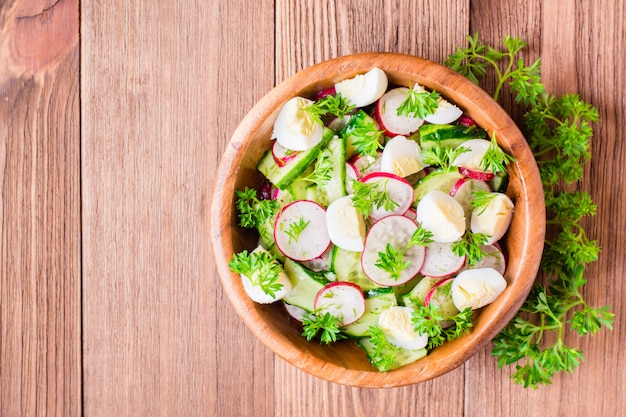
(495, 159)
(419, 103)
(333, 104)
(295, 229)
(429, 320)
(471, 246)
(260, 267)
(384, 352)
(316, 322)
(442, 156)
(392, 261)
(370, 195)
(253, 211)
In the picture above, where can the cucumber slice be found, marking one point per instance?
(403, 356)
(283, 176)
(437, 180)
(347, 267)
(432, 135)
(305, 286)
(376, 301)
(335, 188)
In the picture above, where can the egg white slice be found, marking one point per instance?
(475, 288)
(442, 215)
(396, 323)
(401, 157)
(494, 219)
(346, 227)
(294, 127)
(364, 89)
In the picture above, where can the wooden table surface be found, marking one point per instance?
(113, 118)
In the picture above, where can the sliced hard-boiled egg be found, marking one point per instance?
(364, 89)
(442, 215)
(398, 328)
(295, 128)
(255, 291)
(446, 113)
(472, 158)
(475, 288)
(346, 227)
(493, 219)
(401, 157)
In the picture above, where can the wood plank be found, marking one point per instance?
(572, 63)
(164, 85)
(340, 28)
(40, 353)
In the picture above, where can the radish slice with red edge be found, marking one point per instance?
(476, 174)
(366, 164)
(386, 113)
(352, 174)
(467, 121)
(495, 259)
(411, 214)
(395, 230)
(326, 92)
(341, 299)
(300, 230)
(440, 261)
(431, 292)
(398, 189)
(295, 313)
(282, 155)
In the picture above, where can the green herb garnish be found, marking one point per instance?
(260, 267)
(368, 196)
(384, 353)
(253, 211)
(419, 103)
(428, 320)
(328, 324)
(295, 229)
(495, 159)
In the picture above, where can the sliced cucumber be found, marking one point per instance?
(375, 301)
(305, 286)
(451, 136)
(335, 188)
(437, 180)
(347, 267)
(282, 176)
(403, 356)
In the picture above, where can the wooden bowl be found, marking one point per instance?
(344, 362)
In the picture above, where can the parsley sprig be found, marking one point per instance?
(384, 353)
(429, 320)
(260, 267)
(253, 211)
(367, 139)
(324, 322)
(370, 195)
(322, 171)
(481, 199)
(419, 102)
(393, 260)
(471, 245)
(442, 156)
(560, 131)
(495, 159)
(474, 60)
(295, 229)
(333, 104)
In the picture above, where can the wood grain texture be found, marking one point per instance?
(163, 87)
(40, 352)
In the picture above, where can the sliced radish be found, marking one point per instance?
(366, 164)
(395, 230)
(401, 157)
(255, 291)
(346, 227)
(462, 192)
(312, 241)
(364, 89)
(396, 323)
(295, 313)
(440, 261)
(495, 259)
(326, 92)
(494, 219)
(467, 121)
(281, 154)
(341, 299)
(445, 113)
(411, 214)
(472, 158)
(338, 123)
(441, 214)
(398, 189)
(476, 174)
(352, 174)
(321, 263)
(430, 295)
(386, 113)
(475, 288)
(294, 128)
